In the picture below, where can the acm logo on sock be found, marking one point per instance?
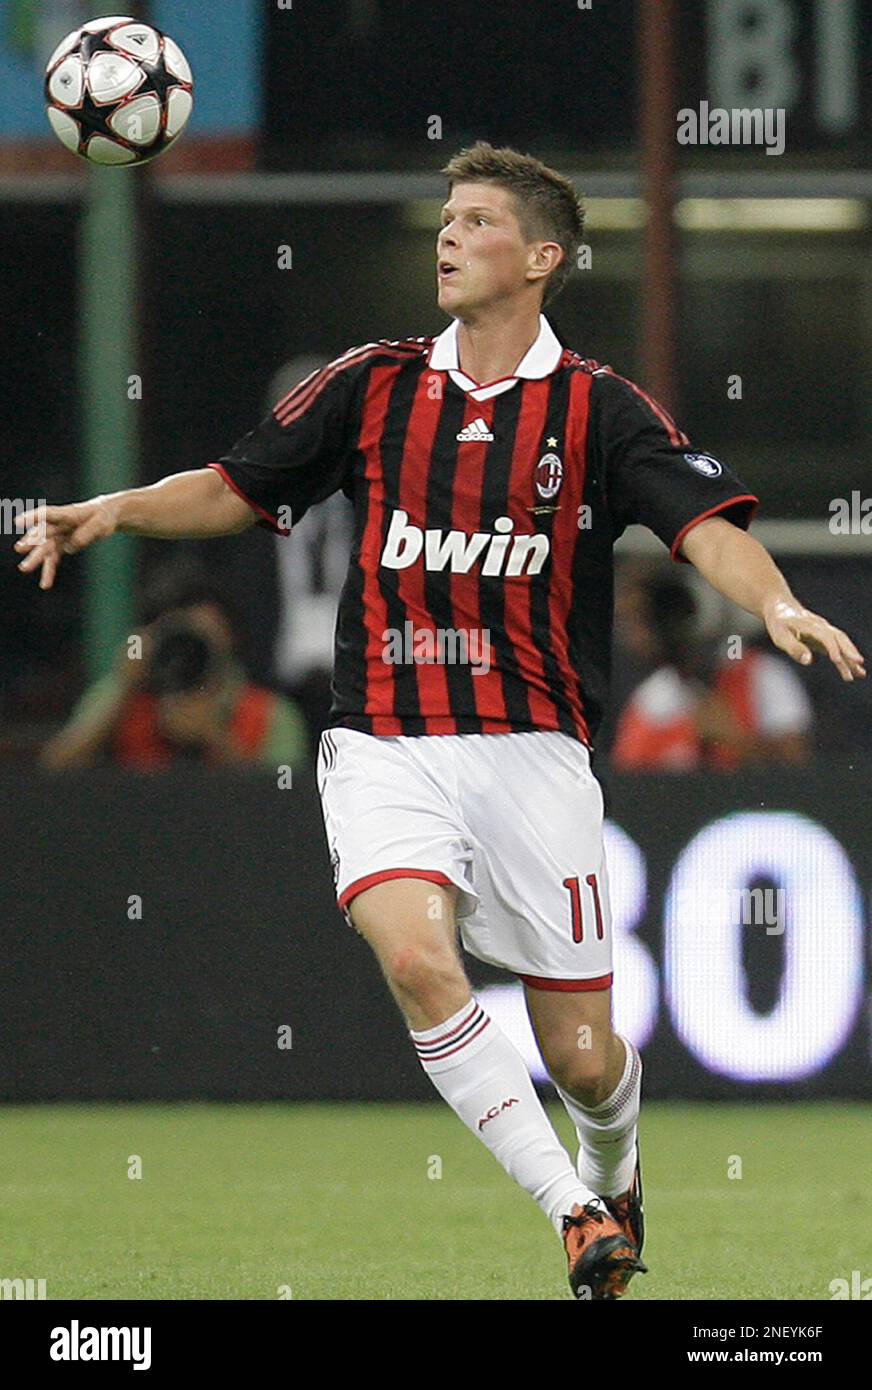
(496, 1110)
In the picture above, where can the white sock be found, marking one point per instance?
(607, 1132)
(483, 1078)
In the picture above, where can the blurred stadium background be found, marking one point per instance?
(295, 218)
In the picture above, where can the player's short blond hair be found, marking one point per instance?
(548, 207)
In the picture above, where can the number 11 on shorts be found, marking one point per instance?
(574, 887)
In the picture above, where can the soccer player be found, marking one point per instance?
(491, 471)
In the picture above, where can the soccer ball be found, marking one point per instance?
(117, 91)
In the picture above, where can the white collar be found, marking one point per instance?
(540, 360)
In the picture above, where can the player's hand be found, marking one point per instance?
(51, 532)
(800, 633)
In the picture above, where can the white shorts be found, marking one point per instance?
(514, 820)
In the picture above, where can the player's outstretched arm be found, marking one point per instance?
(185, 506)
(738, 566)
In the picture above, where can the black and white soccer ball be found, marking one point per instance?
(118, 91)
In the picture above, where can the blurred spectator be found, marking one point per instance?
(700, 708)
(186, 697)
(312, 565)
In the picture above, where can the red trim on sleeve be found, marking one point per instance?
(271, 521)
(360, 884)
(677, 437)
(301, 396)
(730, 502)
(567, 986)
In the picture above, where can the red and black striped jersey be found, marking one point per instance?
(479, 591)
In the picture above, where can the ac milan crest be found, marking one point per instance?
(549, 476)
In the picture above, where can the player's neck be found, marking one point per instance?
(491, 347)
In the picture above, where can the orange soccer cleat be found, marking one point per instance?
(627, 1208)
(602, 1257)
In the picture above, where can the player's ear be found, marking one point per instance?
(544, 258)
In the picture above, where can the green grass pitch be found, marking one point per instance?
(241, 1201)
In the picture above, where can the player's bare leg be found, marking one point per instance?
(598, 1075)
(410, 924)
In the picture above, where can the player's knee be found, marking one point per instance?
(422, 970)
(580, 1073)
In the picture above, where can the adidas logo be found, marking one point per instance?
(475, 431)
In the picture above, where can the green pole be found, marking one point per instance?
(107, 360)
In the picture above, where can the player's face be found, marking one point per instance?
(481, 254)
